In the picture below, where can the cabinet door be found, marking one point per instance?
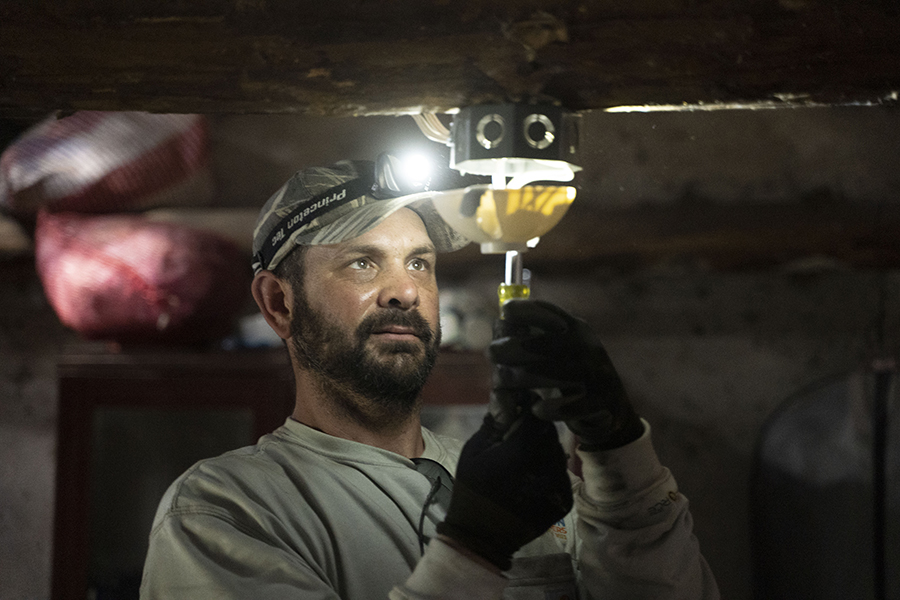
(128, 426)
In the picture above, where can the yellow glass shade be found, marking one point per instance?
(508, 216)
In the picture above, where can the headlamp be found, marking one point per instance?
(401, 175)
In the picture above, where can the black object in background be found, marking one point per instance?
(825, 493)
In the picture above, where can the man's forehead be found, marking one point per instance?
(404, 225)
(402, 230)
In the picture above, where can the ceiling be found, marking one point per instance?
(354, 57)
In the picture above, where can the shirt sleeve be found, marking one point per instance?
(445, 573)
(635, 531)
(201, 554)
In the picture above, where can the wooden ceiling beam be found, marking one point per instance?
(362, 58)
(823, 233)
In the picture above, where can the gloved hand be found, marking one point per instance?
(541, 348)
(511, 485)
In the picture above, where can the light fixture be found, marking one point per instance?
(524, 142)
(520, 147)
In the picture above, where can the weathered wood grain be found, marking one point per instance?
(356, 58)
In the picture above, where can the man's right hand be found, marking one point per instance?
(511, 485)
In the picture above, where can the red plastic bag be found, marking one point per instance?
(127, 279)
(107, 162)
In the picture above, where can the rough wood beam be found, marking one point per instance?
(356, 58)
(721, 237)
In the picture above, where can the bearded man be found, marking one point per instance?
(352, 498)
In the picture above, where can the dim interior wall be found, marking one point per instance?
(709, 391)
(731, 157)
(31, 337)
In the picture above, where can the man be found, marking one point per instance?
(352, 498)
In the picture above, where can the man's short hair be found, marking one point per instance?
(291, 269)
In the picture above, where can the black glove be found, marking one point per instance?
(511, 485)
(541, 348)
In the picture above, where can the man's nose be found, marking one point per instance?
(399, 290)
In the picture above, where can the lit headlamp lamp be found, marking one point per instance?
(400, 176)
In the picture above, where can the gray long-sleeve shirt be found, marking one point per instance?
(303, 514)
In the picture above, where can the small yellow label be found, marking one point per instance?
(510, 291)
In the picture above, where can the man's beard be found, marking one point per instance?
(390, 376)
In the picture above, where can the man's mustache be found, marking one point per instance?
(411, 320)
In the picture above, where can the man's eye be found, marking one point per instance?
(417, 264)
(361, 263)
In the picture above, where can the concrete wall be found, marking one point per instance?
(30, 339)
(707, 356)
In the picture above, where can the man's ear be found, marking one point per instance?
(275, 299)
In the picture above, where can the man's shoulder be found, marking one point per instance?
(239, 472)
(245, 484)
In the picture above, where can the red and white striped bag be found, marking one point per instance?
(129, 279)
(107, 162)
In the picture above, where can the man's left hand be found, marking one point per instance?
(541, 348)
